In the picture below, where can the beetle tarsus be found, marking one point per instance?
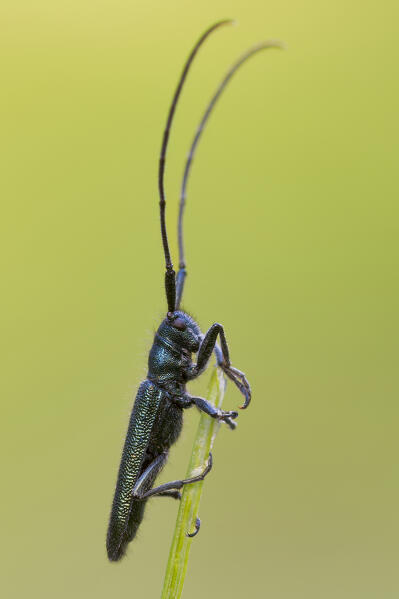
(190, 535)
(230, 423)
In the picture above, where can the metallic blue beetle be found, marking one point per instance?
(157, 415)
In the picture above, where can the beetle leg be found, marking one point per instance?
(208, 345)
(183, 401)
(174, 484)
(213, 412)
(147, 478)
(171, 493)
(230, 423)
(239, 380)
(186, 401)
(238, 377)
(196, 531)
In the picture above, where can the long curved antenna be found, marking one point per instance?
(182, 262)
(170, 282)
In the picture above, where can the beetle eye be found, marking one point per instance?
(179, 323)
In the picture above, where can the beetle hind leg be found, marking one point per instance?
(140, 489)
(171, 493)
(190, 535)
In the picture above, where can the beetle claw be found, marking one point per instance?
(196, 531)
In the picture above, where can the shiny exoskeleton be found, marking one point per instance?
(157, 415)
(157, 418)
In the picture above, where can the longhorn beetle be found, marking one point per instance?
(157, 414)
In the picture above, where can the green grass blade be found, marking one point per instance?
(191, 495)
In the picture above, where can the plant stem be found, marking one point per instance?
(191, 495)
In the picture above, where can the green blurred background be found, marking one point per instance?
(291, 227)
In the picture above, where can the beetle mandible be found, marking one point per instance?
(157, 415)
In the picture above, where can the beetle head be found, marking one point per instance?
(183, 330)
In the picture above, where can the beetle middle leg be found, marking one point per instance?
(205, 406)
(186, 401)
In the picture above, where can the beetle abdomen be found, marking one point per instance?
(142, 418)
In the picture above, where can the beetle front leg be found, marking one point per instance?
(209, 345)
(234, 374)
